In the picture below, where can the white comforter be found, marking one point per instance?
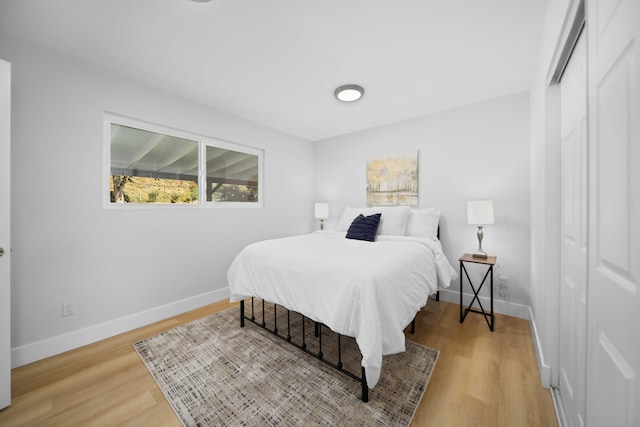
(367, 290)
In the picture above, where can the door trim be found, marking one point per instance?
(5, 234)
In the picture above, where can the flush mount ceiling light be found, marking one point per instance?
(349, 93)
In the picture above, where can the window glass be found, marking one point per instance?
(232, 176)
(151, 167)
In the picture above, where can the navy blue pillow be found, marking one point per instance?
(364, 227)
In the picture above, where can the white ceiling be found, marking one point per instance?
(277, 62)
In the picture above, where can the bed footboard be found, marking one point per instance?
(302, 343)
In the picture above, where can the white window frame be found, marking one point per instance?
(203, 142)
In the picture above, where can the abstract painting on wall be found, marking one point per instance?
(393, 180)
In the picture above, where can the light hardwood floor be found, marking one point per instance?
(481, 378)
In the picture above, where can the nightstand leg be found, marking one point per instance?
(492, 316)
(461, 280)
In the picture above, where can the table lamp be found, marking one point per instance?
(480, 213)
(322, 212)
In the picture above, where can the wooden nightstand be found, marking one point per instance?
(490, 261)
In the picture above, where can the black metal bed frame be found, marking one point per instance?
(362, 379)
(303, 346)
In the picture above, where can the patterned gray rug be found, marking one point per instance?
(214, 373)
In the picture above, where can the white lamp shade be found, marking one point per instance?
(322, 210)
(480, 212)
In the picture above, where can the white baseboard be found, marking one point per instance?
(59, 344)
(545, 370)
(39, 350)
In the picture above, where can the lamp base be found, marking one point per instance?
(480, 254)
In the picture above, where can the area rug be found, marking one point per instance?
(214, 373)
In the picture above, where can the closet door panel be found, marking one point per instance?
(573, 265)
(613, 394)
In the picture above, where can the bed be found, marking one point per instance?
(369, 290)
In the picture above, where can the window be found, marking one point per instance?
(150, 165)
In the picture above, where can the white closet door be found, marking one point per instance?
(573, 269)
(5, 264)
(613, 379)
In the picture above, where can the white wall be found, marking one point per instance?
(545, 196)
(123, 268)
(477, 152)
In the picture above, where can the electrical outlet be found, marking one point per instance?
(503, 288)
(68, 308)
(503, 282)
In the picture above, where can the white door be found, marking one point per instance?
(613, 378)
(5, 270)
(573, 268)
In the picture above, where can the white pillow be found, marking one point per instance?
(393, 221)
(423, 223)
